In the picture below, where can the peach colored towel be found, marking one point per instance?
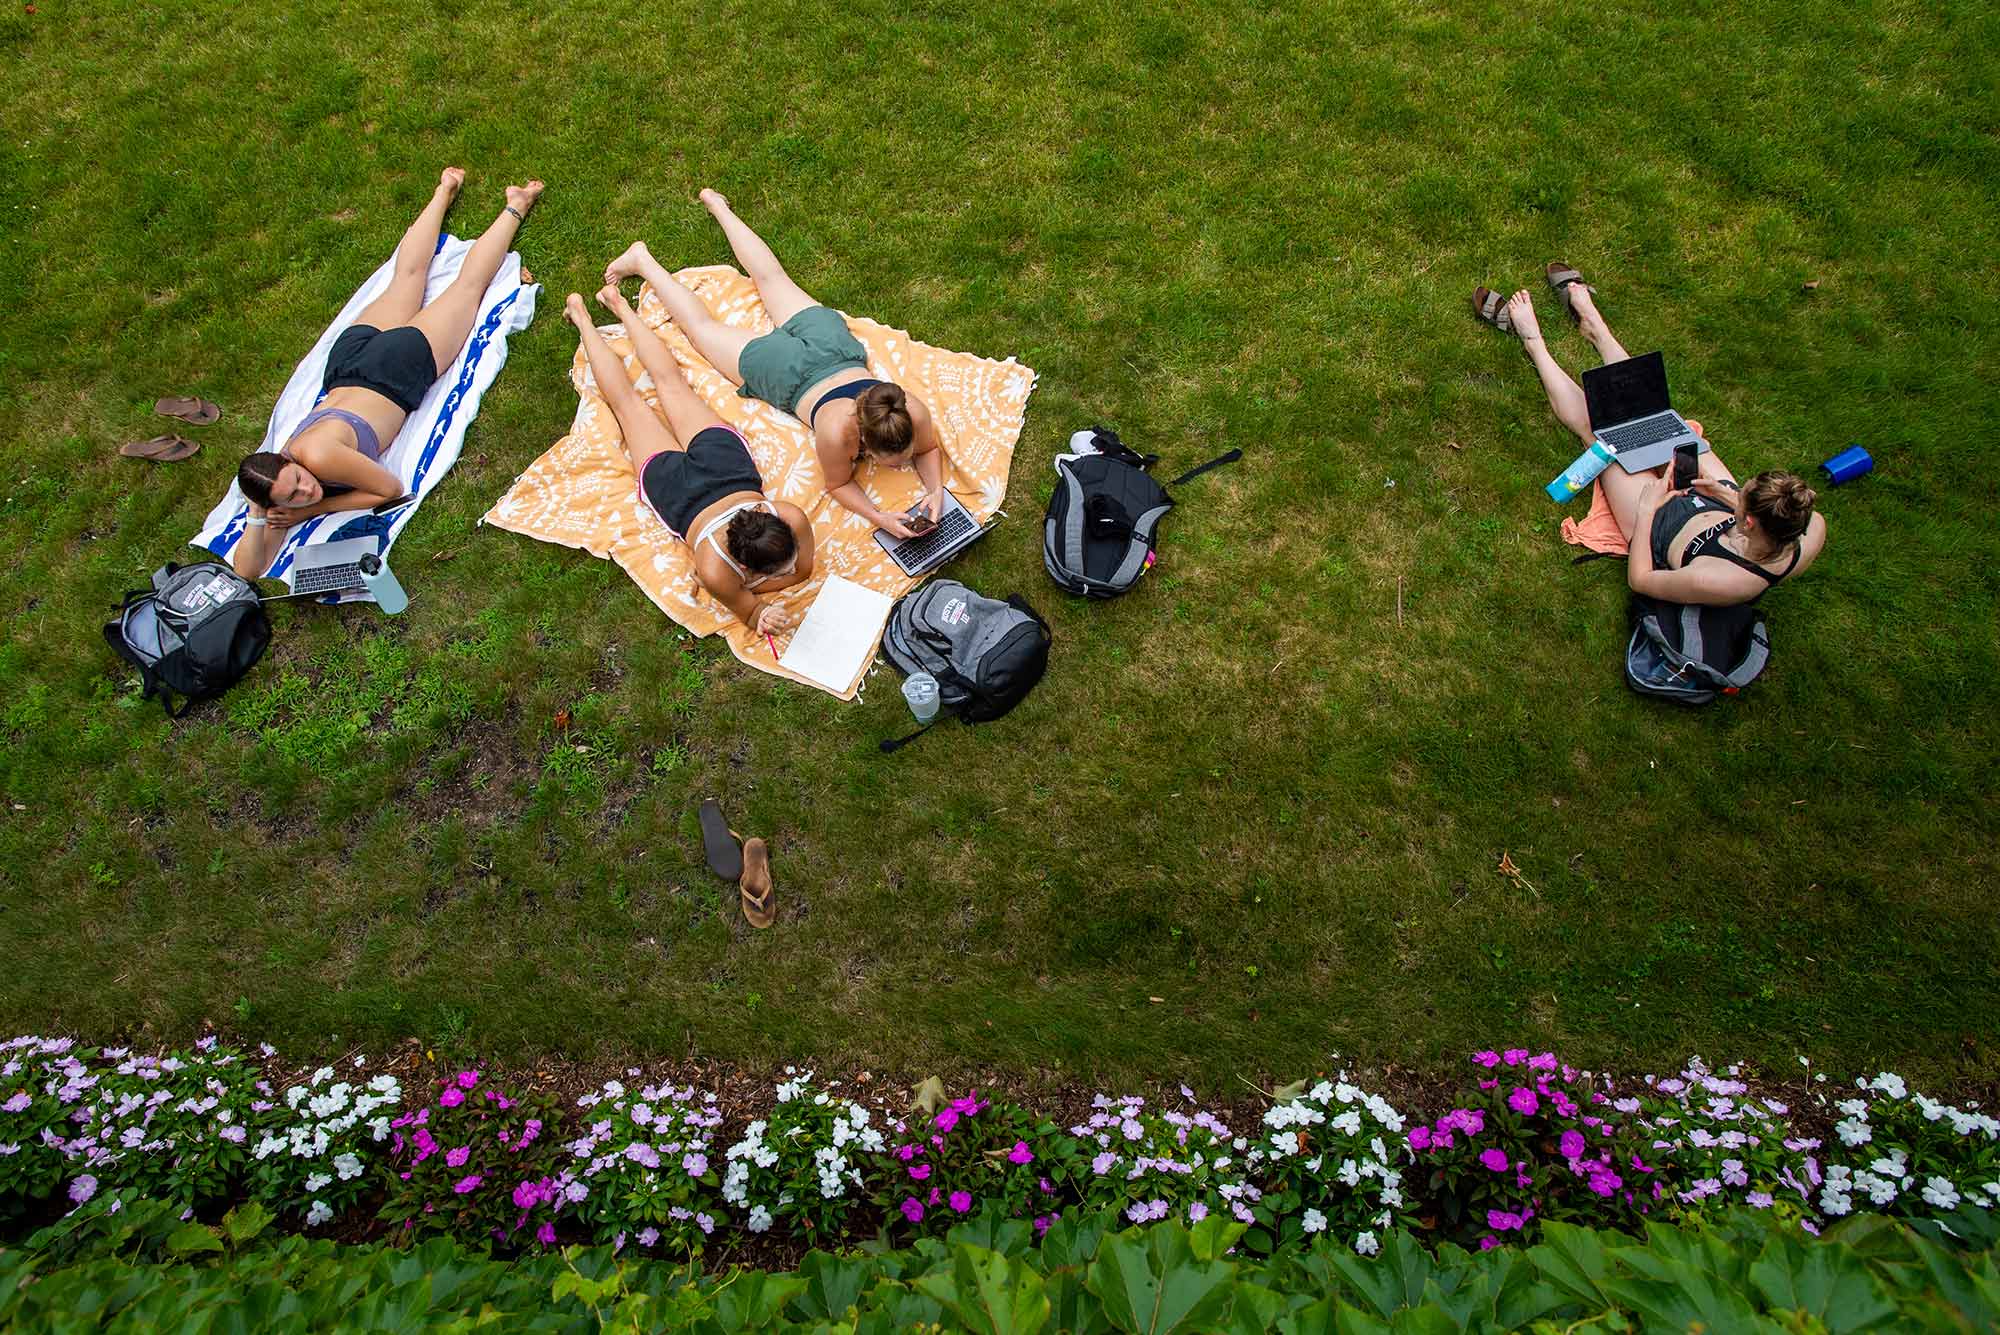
(582, 493)
(1599, 530)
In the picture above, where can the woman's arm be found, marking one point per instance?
(723, 584)
(1709, 587)
(838, 470)
(251, 556)
(373, 484)
(927, 454)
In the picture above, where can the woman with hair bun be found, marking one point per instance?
(1713, 543)
(810, 366)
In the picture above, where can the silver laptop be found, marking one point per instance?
(331, 567)
(1630, 412)
(955, 530)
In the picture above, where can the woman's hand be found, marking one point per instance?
(937, 505)
(772, 620)
(1654, 494)
(278, 518)
(894, 525)
(1715, 489)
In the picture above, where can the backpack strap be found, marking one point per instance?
(890, 745)
(1217, 462)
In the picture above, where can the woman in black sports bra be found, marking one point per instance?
(810, 366)
(1717, 544)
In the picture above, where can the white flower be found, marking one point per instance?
(347, 1166)
(319, 1214)
(1367, 1245)
(321, 1076)
(317, 1181)
(379, 1128)
(1832, 1202)
(1853, 1132)
(1940, 1192)
(760, 1219)
(1853, 1107)
(1313, 1222)
(1892, 1085)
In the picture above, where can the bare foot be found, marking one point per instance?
(576, 312)
(611, 299)
(527, 279)
(523, 197)
(1582, 303)
(450, 180)
(636, 256)
(1521, 314)
(713, 201)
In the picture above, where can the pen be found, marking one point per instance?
(773, 643)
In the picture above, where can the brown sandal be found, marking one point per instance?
(160, 449)
(199, 412)
(760, 907)
(1561, 279)
(1490, 307)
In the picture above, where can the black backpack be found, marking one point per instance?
(1690, 653)
(986, 654)
(194, 634)
(1102, 526)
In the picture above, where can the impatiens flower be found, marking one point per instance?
(647, 1237)
(546, 1234)
(1420, 1138)
(1367, 1244)
(1020, 1153)
(451, 1098)
(1940, 1192)
(1523, 1101)
(913, 1209)
(947, 1119)
(1487, 1059)
(83, 1188)
(920, 1171)
(1572, 1144)
(1196, 1213)
(16, 1104)
(960, 1201)
(1502, 1221)
(1313, 1221)
(455, 1158)
(467, 1079)
(318, 1214)
(465, 1186)
(1494, 1160)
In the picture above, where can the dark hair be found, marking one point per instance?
(1781, 503)
(759, 541)
(258, 474)
(884, 413)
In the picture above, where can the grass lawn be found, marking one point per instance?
(1254, 814)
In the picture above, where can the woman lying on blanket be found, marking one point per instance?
(697, 475)
(1715, 543)
(810, 366)
(376, 374)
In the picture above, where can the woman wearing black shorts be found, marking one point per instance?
(697, 475)
(376, 374)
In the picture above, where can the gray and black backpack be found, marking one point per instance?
(1102, 528)
(986, 654)
(194, 634)
(1690, 654)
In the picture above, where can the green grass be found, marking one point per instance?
(1269, 788)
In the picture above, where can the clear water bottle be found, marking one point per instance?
(1580, 474)
(920, 689)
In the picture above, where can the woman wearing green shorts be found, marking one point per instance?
(809, 366)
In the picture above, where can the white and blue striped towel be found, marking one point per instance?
(427, 446)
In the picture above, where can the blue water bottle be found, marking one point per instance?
(1580, 474)
(382, 585)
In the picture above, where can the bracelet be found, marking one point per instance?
(255, 521)
(516, 212)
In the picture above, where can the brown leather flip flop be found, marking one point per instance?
(160, 449)
(1561, 279)
(760, 907)
(199, 412)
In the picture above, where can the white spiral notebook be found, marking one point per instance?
(839, 634)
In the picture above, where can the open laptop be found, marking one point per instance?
(955, 530)
(331, 567)
(1630, 413)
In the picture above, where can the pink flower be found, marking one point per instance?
(907, 1152)
(451, 1098)
(1495, 1160)
(1523, 1101)
(1545, 1062)
(913, 1209)
(1502, 1221)
(1041, 1224)
(1020, 1153)
(920, 1171)
(1573, 1144)
(1514, 1056)
(947, 1119)
(1488, 1243)
(961, 1201)
(456, 1158)
(467, 1185)
(1420, 1138)
(1488, 1059)
(546, 1234)
(467, 1079)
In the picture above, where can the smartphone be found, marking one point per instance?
(919, 520)
(1687, 462)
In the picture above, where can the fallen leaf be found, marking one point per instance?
(1286, 1093)
(929, 1095)
(1507, 867)
(1156, 1000)
(1811, 285)
(561, 720)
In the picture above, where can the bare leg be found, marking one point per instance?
(687, 414)
(1591, 322)
(1565, 396)
(405, 296)
(645, 434)
(717, 342)
(782, 297)
(447, 321)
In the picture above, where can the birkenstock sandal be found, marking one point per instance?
(718, 844)
(160, 449)
(1561, 279)
(1490, 307)
(760, 908)
(200, 412)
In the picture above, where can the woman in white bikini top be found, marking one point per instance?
(750, 581)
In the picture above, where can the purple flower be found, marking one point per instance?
(1502, 1221)
(920, 1171)
(1545, 1062)
(546, 1234)
(947, 1119)
(1523, 1101)
(1489, 1059)
(913, 1209)
(83, 1188)
(1041, 1224)
(1573, 1144)
(908, 1152)
(1488, 1243)
(695, 1163)
(1514, 1056)
(15, 1104)
(451, 1098)
(1495, 1160)
(960, 1201)
(465, 1186)
(467, 1079)
(456, 1158)
(1420, 1138)
(1020, 1153)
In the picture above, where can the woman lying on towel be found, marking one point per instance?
(810, 366)
(376, 374)
(1716, 543)
(697, 475)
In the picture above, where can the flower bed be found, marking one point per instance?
(471, 1154)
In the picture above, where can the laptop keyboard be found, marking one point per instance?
(328, 579)
(915, 554)
(1646, 431)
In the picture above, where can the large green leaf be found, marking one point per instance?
(1074, 1238)
(1211, 1239)
(990, 1294)
(1254, 1309)
(750, 1300)
(1151, 1283)
(1073, 1308)
(1827, 1281)
(993, 1231)
(1961, 1286)
(191, 1238)
(1685, 1297)
(245, 1222)
(832, 1285)
(1388, 1282)
(1574, 1260)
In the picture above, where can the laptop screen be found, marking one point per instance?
(1625, 391)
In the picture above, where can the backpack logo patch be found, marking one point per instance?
(955, 612)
